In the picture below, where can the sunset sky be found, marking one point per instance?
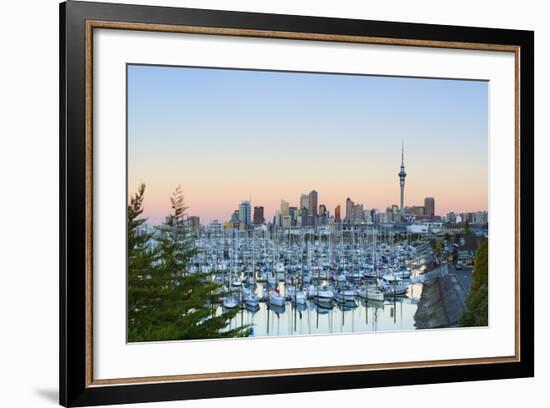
(232, 135)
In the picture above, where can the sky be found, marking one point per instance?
(232, 135)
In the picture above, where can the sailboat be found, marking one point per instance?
(275, 298)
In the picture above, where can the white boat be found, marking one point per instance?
(230, 302)
(370, 293)
(251, 299)
(300, 297)
(275, 298)
(394, 288)
(346, 295)
(324, 296)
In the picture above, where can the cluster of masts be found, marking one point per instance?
(326, 271)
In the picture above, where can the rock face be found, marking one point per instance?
(441, 303)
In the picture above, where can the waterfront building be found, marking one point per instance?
(429, 206)
(425, 228)
(244, 214)
(258, 215)
(402, 176)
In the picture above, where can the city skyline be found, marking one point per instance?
(219, 134)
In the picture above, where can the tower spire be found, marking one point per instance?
(402, 176)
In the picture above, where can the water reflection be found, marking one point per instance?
(394, 313)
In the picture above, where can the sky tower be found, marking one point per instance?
(402, 176)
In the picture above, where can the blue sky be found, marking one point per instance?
(227, 135)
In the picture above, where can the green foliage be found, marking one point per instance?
(165, 300)
(476, 313)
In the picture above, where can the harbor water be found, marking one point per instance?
(394, 313)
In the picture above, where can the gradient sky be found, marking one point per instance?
(230, 135)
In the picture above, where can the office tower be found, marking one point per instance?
(235, 217)
(349, 210)
(259, 215)
(284, 208)
(244, 213)
(429, 206)
(194, 225)
(337, 218)
(312, 201)
(304, 201)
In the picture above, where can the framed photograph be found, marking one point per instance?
(256, 203)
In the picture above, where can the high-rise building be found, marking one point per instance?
(312, 201)
(286, 221)
(284, 208)
(244, 213)
(322, 209)
(349, 210)
(417, 210)
(259, 215)
(402, 176)
(429, 206)
(277, 220)
(304, 215)
(367, 216)
(293, 212)
(304, 201)
(194, 225)
(337, 218)
(357, 213)
(235, 217)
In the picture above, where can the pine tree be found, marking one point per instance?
(141, 257)
(177, 304)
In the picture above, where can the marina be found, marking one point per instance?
(324, 280)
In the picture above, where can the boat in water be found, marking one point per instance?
(230, 302)
(276, 299)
